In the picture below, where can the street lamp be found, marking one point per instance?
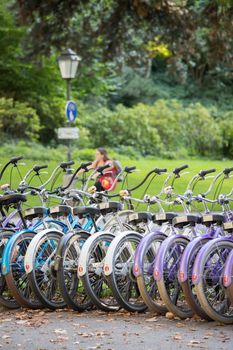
(68, 63)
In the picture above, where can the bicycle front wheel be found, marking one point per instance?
(169, 287)
(16, 279)
(122, 280)
(6, 297)
(43, 277)
(146, 283)
(71, 286)
(210, 290)
(94, 280)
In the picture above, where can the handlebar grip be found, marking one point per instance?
(15, 159)
(64, 165)
(203, 173)
(160, 170)
(85, 165)
(101, 168)
(129, 169)
(176, 171)
(227, 171)
(37, 168)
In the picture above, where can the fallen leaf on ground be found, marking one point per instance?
(60, 331)
(152, 319)
(179, 325)
(169, 315)
(177, 337)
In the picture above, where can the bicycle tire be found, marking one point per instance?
(169, 286)
(146, 283)
(188, 287)
(94, 281)
(16, 279)
(72, 290)
(43, 277)
(6, 298)
(218, 249)
(124, 286)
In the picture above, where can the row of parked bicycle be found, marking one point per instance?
(90, 251)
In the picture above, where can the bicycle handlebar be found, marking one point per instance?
(203, 173)
(158, 171)
(64, 165)
(85, 165)
(13, 160)
(129, 169)
(176, 171)
(100, 169)
(227, 171)
(37, 168)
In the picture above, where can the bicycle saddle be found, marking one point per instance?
(135, 218)
(228, 226)
(9, 199)
(37, 212)
(60, 210)
(163, 217)
(109, 207)
(189, 219)
(83, 211)
(208, 219)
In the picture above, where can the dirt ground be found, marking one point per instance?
(64, 329)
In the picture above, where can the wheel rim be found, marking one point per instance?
(170, 276)
(97, 280)
(124, 279)
(45, 276)
(213, 288)
(73, 284)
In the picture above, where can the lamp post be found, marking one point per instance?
(68, 63)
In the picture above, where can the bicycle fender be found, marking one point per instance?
(228, 271)
(158, 266)
(196, 275)
(138, 259)
(6, 257)
(108, 261)
(67, 238)
(182, 273)
(82, 269)
(29, 257)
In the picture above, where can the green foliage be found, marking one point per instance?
(39, 153)
(170, 63)
(18, 120)
(226, 127)
(203, 135)
(167, 128)
(123, 126)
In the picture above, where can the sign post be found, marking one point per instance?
(71, 114)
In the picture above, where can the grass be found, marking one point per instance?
(143, 167)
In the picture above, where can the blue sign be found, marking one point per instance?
(71, 111)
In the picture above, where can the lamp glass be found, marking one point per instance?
(68, 64)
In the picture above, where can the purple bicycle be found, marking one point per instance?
(214, 224)
(208, 277)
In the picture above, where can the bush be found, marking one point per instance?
(202, 134)
(128, 127)
(226, 129)
(33, 151)
(18, 120)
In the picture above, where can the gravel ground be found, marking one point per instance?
(64, 329)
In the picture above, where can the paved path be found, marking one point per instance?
(63, 329)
